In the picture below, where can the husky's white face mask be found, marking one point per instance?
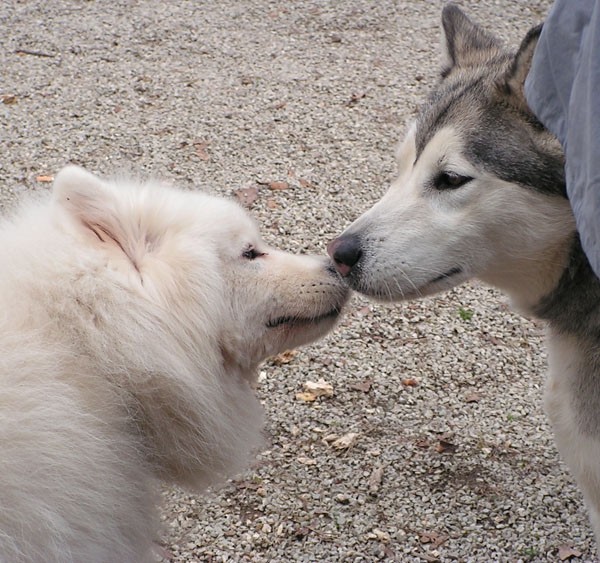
(480, 190)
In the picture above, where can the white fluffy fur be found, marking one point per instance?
(131, 326)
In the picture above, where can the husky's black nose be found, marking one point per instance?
(345, 252)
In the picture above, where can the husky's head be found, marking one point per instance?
(481, 187)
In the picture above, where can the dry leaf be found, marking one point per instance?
(44, 178)
(444, 446)
(302, 532)
(329, 438)
(364, 385)
(277, 186)
(305, 183)
(247, 196)
(410, 382)
(346, 441)
(272, 204)
(423, 443)
(315, 389)
(284, 358)
(201, 152)
(342, 499)
(319, 388)
(355, 98)
(433, 538)
(364, 311)
(248, 484)
(8, 99)
(306, 460)
(375, 480)
(380, 535)
(472, 397)
(566, 552)
(306, 397)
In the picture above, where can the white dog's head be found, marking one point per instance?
(202, 259)
(172, 298)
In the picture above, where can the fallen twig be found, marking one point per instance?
(34, 53)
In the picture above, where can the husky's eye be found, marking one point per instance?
(250, 253)
(450, 181)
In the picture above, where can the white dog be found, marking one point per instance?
(132, 321)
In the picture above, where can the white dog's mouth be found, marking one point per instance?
(294, 320)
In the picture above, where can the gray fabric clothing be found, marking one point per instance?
(563, 90)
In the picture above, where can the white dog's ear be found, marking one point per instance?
(73, 182)
(85, 196)
(464, 43)
(93, 205)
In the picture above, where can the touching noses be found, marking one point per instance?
(345, 252)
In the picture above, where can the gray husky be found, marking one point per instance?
(481, 194)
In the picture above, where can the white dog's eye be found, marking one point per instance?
(250, 253)
(450, 181)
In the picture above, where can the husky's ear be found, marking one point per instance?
(464, 43)
(93, 206)
(514, 80)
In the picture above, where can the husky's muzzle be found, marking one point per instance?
(346, 252)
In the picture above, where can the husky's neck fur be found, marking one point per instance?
(573, 307)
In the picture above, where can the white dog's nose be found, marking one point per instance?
(346, 252)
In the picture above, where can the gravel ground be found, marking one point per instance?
(450, 455)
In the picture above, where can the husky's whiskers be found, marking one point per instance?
(481, 194)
